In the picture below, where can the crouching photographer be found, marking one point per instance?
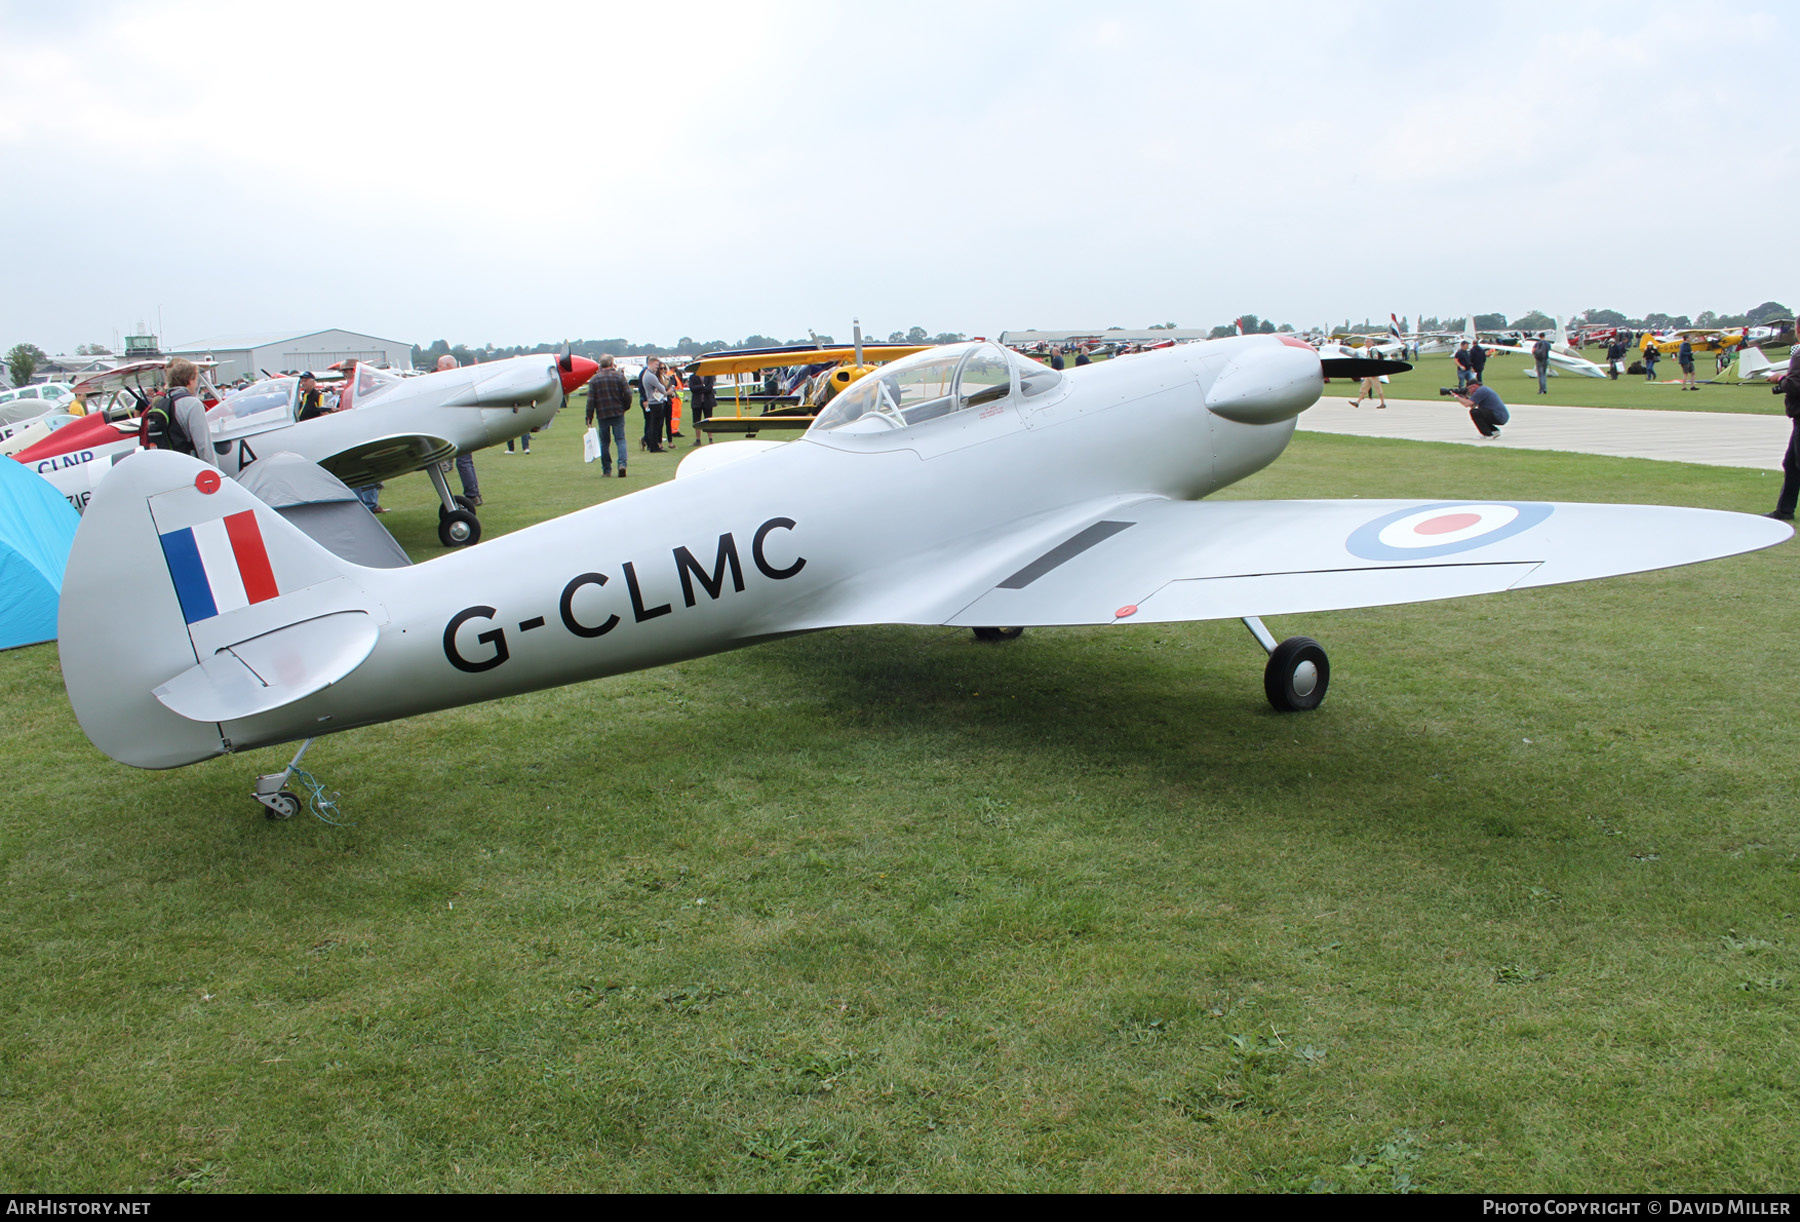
(1485, 407)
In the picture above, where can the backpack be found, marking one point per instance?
(160, 428)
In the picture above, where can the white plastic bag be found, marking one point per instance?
(590, 445)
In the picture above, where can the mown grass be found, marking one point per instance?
(887, 909)
(1506, 374)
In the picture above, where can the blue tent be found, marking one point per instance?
(37, 528)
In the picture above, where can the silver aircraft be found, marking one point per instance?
(964, 485)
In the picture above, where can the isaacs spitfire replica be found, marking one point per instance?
(962, 486)
(385, 426)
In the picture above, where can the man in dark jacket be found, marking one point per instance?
(703, 398)
(1463, 368)
(1478, 361)
(1540, 353)
(608, 397)
(1790, 462)
(1485, 408)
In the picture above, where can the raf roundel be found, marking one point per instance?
(1421, 532)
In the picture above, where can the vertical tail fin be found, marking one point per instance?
(1750, 363)
(187, 603)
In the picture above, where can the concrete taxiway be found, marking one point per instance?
(1719, 439)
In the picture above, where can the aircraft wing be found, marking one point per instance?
(383, 458)
(1160, 560)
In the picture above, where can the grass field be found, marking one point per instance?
(1506, 375)
(888, 909)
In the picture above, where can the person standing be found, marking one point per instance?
(1463, 369)
(672, 425)
(1056, 357)
(1789, 386)
(1615, 357)
(608, 397)
(1371, 388)
(702, 399)
(309, 405)
(186, 432)
(1477, 361)
(1540, 352)
(465, 463)
(1684, 356)
(1485, 409)
(656, 404)
(1650, 355)
(1082, 357)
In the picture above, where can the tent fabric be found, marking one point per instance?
(37, 528)
(324, 509)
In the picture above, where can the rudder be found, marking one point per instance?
(187, 602)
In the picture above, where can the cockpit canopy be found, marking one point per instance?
(934, 383)
(271, 399)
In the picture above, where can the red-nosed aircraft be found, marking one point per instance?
(385, 426)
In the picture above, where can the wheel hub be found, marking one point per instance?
(1306, 677)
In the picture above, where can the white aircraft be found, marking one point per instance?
(1753, 365)
(1563, 357)
(385, 426)
(963, 485)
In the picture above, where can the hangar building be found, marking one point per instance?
(246, 356)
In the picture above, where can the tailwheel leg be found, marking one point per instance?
(277, 800)
(1297, 673)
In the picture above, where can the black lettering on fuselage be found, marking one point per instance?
(637, 597)
(568, 606)
(713, 583)
(495, 637)
(762, 562)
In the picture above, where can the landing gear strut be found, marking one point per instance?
(1298, 672)
(457, 524)
(278, 801)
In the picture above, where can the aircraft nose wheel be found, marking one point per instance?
(998, 634)
(459, 529)
(1297, 675)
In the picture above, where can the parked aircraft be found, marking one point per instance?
(385, 426)
(817, 375)
(1754, 365)
(963, 485)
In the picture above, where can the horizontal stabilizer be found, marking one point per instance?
(271, 670)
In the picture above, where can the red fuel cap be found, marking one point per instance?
(1122, 612)
(207, 481)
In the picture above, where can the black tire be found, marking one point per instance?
(462, 502)
(998, 634)
(459, 529)
(285, 805)
(1297, 675)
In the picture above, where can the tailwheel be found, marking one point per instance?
(282, 805)
(459, 529)
(998, 634)
(1297, 675)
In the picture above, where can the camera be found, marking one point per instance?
(1449, 390)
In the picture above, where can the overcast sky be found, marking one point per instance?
(518, 172)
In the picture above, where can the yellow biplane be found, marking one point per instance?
(814, 375)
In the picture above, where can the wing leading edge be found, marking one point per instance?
(1160, 560)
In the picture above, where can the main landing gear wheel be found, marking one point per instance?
(998, 634)
(462, 502)
(459, 529)
(283, 805)
(1297, 675)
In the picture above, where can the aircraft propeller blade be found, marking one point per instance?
(566, 362)
(1361, 366)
